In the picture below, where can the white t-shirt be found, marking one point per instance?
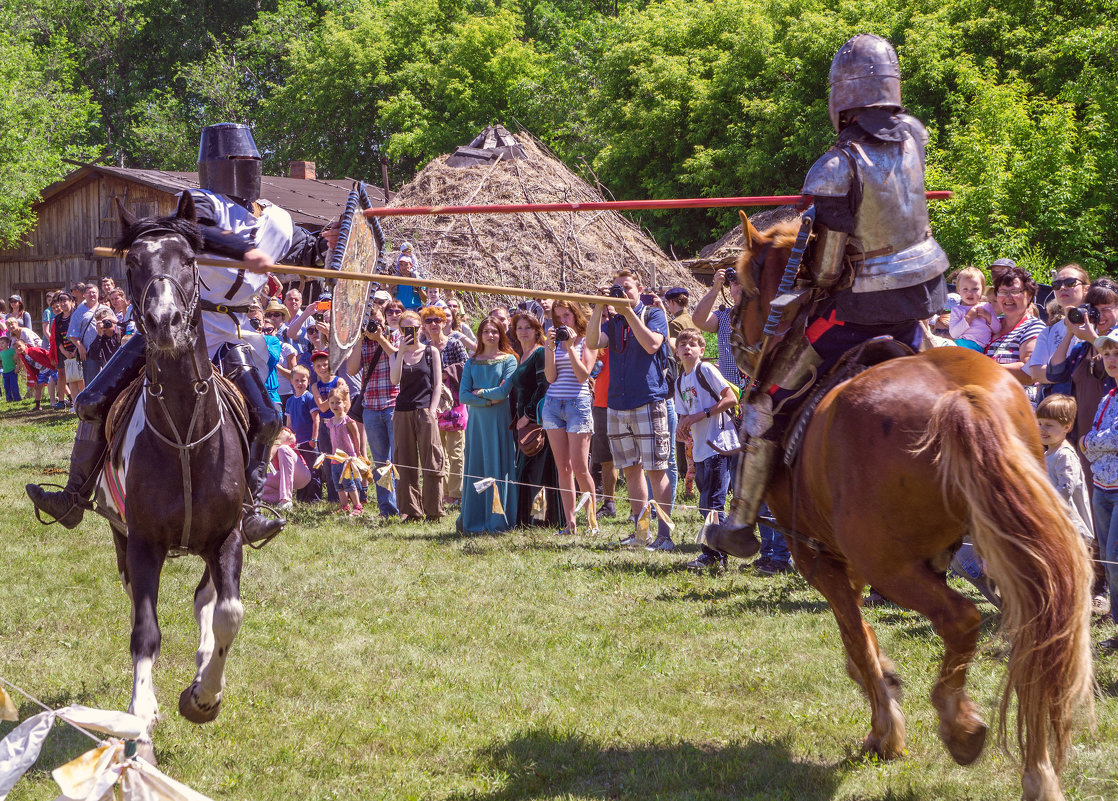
(692, 398)
(1046, 345)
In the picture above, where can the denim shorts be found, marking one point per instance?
(572, 415)
(46, 376)
(343, 484)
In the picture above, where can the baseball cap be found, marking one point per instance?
(676, 291)
(1003, 263)
(406, 247)
(16, 298)
(382, 296)
(320, 354)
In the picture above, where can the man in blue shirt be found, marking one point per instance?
(637, 414)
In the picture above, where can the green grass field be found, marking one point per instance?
(403, 662)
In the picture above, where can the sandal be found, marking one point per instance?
(568, 531)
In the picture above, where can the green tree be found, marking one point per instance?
(44, 120)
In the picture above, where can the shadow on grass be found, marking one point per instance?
(546, 764)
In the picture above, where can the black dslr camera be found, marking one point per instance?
(731, 275)
(1080, 314)
(371, 327)
(616, 291)
(562, 334)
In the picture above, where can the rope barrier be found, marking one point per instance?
(46, 708)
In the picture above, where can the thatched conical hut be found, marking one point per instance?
(565, 251)
(724, 253)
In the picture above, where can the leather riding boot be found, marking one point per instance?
(254, 526)
(67, 506)
(264, 425)
(737, 536)
(93, 403)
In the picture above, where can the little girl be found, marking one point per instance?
(343, 437)
(973, 323)
(1100, 446)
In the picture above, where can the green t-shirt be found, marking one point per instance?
(8, 360)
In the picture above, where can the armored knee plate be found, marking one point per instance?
(264, 421)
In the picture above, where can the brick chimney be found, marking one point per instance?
(303, 170)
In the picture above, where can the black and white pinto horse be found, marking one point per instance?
(174, 477)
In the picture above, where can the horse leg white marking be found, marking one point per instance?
(204, 603)
(144, 704)
(227, 617)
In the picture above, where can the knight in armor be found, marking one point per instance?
(237, 223)
(872, 261)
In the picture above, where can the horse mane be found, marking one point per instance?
(778, 226)
(187, 229)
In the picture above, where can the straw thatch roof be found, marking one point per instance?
(724, 253)
(565, 251)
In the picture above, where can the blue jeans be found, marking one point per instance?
(11, 386)
(1104, 507)
(712, 477)
(378, 430)
(773, 546)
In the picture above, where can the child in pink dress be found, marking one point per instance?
(973, 323)
(343, 437)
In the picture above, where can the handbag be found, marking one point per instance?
(454, 418)
(530, 438)
(73, 369)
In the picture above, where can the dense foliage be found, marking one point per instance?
(656, 99)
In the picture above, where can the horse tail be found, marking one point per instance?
(1020, 526)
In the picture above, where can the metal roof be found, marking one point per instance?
(310, 202)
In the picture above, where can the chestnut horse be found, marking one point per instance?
(897, 465)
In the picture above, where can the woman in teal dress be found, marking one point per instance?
(490, 446)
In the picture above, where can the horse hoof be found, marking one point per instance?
(876, 746)
(146, 751)
(966, 741)
(195, 712)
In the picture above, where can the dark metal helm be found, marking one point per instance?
(864, 74)
(228, 161)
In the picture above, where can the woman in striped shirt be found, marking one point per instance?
(566, 413)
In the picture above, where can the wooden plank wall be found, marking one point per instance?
(58, 251)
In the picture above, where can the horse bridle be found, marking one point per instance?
(191, 305)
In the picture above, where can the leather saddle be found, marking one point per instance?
(857, 360)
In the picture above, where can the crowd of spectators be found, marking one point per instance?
(534, 415)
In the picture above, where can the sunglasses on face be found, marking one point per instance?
(267, 330)
(1067, 283)
(393, 311)
(432, 321)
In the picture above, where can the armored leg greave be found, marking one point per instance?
(67, 506)
(264, 425)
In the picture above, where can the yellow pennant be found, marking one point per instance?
(660, 513)
(539, 503)
(644, 520)
(7, 708)
(497, 508)
(386, 474)
(79, 776)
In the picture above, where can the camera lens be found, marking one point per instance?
(616, 291)
(731, 275)
(1076, 315)
(562, 334)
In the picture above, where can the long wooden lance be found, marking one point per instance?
(314, 272)
(608, 205)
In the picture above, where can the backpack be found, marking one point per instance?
(667, 359)
(704, 382)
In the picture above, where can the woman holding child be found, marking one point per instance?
(567, 407)
(1014, 290)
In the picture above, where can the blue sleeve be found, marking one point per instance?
(657, 321)
(1057, 374)
(466, 392)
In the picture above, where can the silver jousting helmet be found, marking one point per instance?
(864, 74)
(228, 161)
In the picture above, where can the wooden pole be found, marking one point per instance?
(314, 272)
(607, 205)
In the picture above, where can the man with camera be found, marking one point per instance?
(107, 341)
(708, 318)
(637, 412)
(83, 331)
(372, 361)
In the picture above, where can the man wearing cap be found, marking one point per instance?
(873, 261)
(235, 222)
(413, 297)
(675, 301)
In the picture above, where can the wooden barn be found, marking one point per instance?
(78, 214)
